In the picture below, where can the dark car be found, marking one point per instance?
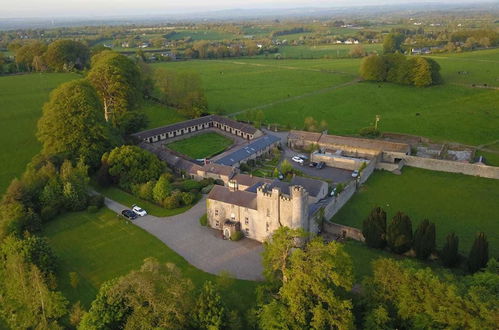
(129, 214)
(312, 164)
(320, 165)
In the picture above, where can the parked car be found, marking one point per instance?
(302, 157)
(138, 210)
(280, 176)
(313, 164)
(320, 165)
(333, 192)
(298, 160)
(129, 214)
(355, 174)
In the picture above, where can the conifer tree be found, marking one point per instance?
(374, 228)
(479, 253)
(450, 254)
(399, 233)
(424, 239)
(210, 312)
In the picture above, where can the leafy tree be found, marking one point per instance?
(450, 251)
(286, 167)
(315, 281)
(479, 253)
(373, 67)
(156, 296)
(399, 233)
(374, 228)
(424, 239)
(26, 300)
(66, 55)
(132, 165)
(162, 189)
(392, 42)
(72, 123)
(357, 51)
(210, 312)
(25, 55)
(420, 72)
(118, 83)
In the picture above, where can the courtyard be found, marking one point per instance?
(205, 145)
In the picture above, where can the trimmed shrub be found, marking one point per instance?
(207, 189)
(203, 221)
(173, 201)
(236, 236)
(374, 228)
(92, 209)
(96, 200)
(189, 185)
(399, 233)
(450, 251)
(188, 198)
(424, 239)
(479, 253)
(48, 213)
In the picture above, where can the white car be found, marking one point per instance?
(138, 210)
(355, 174)
(297, 159)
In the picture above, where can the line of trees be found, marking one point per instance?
(397, 68)
(399, 237)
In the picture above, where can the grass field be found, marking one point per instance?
(200, 146)
(160, 115)
(128, 200)
(323, 51)
(454, 202)
(21, 101)
(202, 35)
(102, 246)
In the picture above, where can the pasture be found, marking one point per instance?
(21, 101)
(454, 202)
(323, 51)
(102, 246)
(200, 146)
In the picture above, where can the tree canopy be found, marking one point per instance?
(72, 123)
(66, 55)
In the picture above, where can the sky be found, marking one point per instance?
(64, 8)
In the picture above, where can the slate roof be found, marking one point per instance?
(194, 122)
(250, 149)
(313, 187)
(248, 180)
(238, 197)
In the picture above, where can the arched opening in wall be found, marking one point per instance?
(226, 233)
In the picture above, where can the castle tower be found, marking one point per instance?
(299, 205)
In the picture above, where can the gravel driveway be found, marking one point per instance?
(202, 247)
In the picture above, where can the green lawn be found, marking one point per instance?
(128, 200)
(160, 115)
(323, 51)
(203, 145)
(454, 202)
(102, 246)
(21, 101)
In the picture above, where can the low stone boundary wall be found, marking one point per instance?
(484, 171)
(341, 199)
(338, 161)
(343, 231)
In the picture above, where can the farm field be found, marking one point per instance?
(160, 115)
(201, 35)
(102, 246)
(323, 51)
(235, 85)
(200, 146)
(454, 202)
(21, 101)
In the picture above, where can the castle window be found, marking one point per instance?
(268, 212)
(216, 213)
(267, 225)
(246, 221)
(217, 223)
(247, 231)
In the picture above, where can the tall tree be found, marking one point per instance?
(420, 72)
(72, 123)
(392, 42)
(479, 253)
(314, 290)
(117, 81)
(399, 233)
(374, 228)
(25, 55)
(373, 67)
(450, 251)
(424, 239)
(66, 55)
(210, 312)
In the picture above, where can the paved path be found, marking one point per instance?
(201, 246)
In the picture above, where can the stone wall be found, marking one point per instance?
(333, 160)
(341, 199)
(484, 171)
(343, 231)
(371, 166)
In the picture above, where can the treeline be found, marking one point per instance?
(222, 49)
(399, 237)
(397, 68)
(58, 56)
(288, 31)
